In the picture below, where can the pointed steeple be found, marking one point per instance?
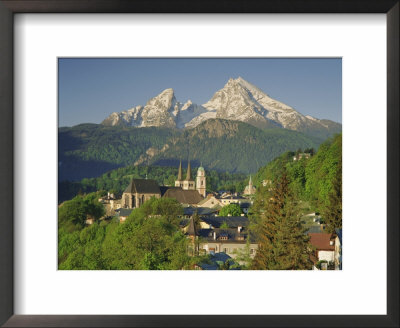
(189, 172)
(180, 171)
(192, 231)
(250, 182)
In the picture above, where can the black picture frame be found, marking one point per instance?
(10, 7)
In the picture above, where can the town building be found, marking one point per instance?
(189, 183)
(201, 181)
(123, 213)
(301, 155)
(211, 201)
(324, 244)
(185, 197)
(233, 199)
(217, 234)
(139, 191)
(249, 189)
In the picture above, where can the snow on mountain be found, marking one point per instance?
(190, 112)
(162, 110)
(238, 100)
(244, 101)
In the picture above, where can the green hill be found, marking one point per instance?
(89, 150)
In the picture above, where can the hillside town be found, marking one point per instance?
(225, 238)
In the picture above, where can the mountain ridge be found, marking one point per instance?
(238, 100)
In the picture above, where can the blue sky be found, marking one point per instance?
(90, 89)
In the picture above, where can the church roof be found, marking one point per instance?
(143, 186)
(184, 196)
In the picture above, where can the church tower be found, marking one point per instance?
(179, 181)
(201, 181)
(188, 183)
(250, 189)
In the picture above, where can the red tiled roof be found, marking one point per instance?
(321, 241)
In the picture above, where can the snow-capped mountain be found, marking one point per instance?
(238, 100)
(162, 110)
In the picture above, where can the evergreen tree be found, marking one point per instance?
(282, 243)
(332, 213)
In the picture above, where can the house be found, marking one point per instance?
(211, 201)
(229, 241)
(230, 221)
(245, 207)
(301, 155)
(189, 211)
(226, 234)
(338, 249)
(232, 200)
(123, 213)
(139, 191)
(324, 244)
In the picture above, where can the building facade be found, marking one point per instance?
(189, 183)
(139, 191)
(201, 181)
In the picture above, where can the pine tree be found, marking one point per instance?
(332, 213)
(282, 242)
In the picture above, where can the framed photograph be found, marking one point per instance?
(184, 165)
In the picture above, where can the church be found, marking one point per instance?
(188, 183)
(186, 191)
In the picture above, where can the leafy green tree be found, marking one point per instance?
(282, 243)
(231, 209)
(169, 208)
(72, 213)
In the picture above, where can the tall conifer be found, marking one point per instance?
(332, 213)
(282, 242)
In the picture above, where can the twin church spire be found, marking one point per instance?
(188, 183)
(188, 173)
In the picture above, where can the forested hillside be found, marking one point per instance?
(89, 150)
(314, 179)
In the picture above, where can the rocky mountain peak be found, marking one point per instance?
(238, 100)
(165, 100)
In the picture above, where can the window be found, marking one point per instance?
(225, 250)
(251, 251)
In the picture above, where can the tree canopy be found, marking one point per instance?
(231, 209)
